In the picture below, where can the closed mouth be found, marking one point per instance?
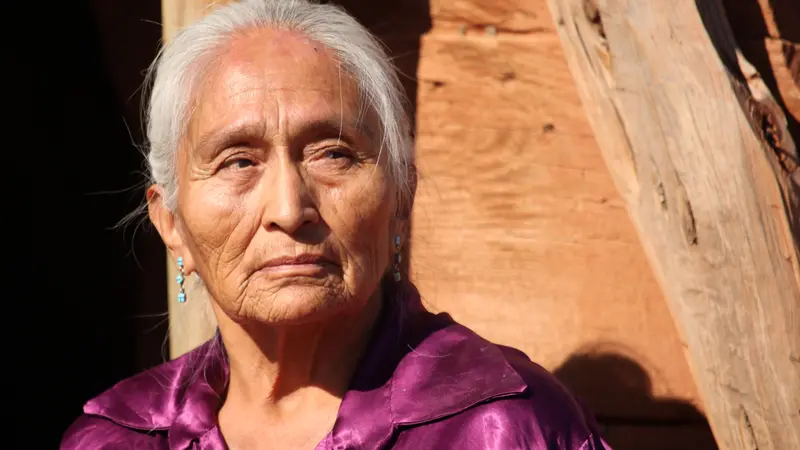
(304, 263)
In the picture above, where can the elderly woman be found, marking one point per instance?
(283, 177)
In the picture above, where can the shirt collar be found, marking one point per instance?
(419, 367)
(181, 396)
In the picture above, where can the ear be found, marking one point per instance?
(164, 221)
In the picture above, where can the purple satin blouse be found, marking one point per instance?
(425, 382)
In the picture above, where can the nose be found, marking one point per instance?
(289, 204)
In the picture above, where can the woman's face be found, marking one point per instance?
(285, 209)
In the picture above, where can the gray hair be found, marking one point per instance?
(181, 65)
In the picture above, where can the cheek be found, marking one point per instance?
(219, 226)
(359, 218)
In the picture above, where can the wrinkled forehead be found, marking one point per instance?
(279, 80)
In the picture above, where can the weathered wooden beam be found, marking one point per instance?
(702, 157)
(190, 323)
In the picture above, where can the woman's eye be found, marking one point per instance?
(238, 163)
(335, 154)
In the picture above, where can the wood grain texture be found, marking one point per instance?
(519, 16)
(713, 206)
(190, 323)
(518, 231)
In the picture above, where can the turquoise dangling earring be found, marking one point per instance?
(398, 258)
(180, 279)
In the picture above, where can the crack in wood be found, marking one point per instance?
(584, 46)
(629, 154)
(662, 196)
(685, 213)
(595, 20)
(746, 430)
(733, 389)
(592, 13)
(600, 63)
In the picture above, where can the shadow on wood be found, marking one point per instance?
(400, 25)
(608, 381)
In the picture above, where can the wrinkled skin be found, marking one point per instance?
(280, 161)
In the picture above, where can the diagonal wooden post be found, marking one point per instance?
(701, 154)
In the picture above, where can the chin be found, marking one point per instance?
(296, 304)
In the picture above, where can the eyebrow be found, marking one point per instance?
(327, 128)
(218, 139)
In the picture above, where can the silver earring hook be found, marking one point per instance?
(398, 258)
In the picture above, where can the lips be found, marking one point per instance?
(297, 260)
(298, 264)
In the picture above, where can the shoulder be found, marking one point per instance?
(141, 409)
(544, 391)
(557, 414)
(497, 398)
(90, 432)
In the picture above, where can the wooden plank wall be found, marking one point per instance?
(520, 234)
(518, 231)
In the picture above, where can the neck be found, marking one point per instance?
(288, 369)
